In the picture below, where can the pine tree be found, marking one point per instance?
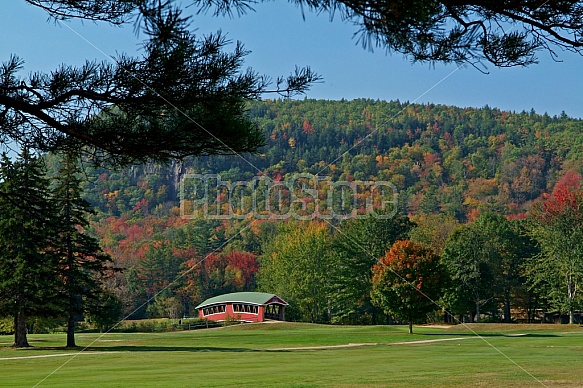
(82, 264)
(184, 96)
(27, 264)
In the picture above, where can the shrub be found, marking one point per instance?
(6, 326)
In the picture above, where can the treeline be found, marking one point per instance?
(450, 166)
(494, 268)
(374, 270)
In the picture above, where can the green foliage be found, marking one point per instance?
(165, 308)
(442, 159)
(513, 248)
(44, 325)
(471, 262)
(146, 326)
(28, 285)
(358, 244)
(557, 225)
(486, 261)
(296, 265)
(433, 230)
(105, 310)
(6, 326)
(502, 33)
(83, 265)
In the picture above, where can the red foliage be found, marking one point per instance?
(569, 183)
(564, 193)
(407, 264)
(473, 214)
(307, 128)
(244, 261)
(519, 216)
(240, 266)
(566, 196)
(142, 206)
(448, 139)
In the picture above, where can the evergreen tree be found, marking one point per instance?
(504, 33)
(82, 262)
(185, 96)
(28, 284)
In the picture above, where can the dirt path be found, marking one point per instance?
(429, 341)
(323, 347)
(368, 344)
(52, 355)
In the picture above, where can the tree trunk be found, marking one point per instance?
(71, 331)
(410, 327)
(507, 318)
(20, 340)
(571, 296)
(477, 312)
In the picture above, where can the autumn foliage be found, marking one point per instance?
(566, 197)
(407, 281)
(557, 225)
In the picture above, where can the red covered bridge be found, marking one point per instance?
(243, 306)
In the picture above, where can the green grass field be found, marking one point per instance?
(263, 355)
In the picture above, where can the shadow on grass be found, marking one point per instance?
(131, 348)
(476, 334)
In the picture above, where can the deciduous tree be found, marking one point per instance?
(407, 282)
(471, 262)
(296, 265)
(512, 249)
(357, 245)
(557, 225)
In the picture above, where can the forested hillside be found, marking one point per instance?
(453, 162)
(442, 159)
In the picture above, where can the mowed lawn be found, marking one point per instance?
(305, 355)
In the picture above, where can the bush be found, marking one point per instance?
(6, 326)
(229, 320)
(146, 326)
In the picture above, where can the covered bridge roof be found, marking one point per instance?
(258, 298)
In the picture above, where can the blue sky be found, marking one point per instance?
(279, 38)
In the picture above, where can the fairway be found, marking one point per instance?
(305, 355)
